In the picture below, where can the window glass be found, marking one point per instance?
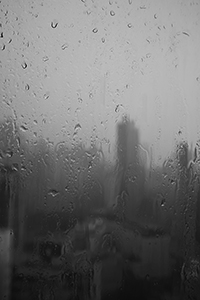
(99, 149)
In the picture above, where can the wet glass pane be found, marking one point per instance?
(99, 150)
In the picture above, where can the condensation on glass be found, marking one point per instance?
(99, 150)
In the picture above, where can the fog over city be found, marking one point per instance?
(99, 149)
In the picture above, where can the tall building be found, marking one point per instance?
(9, 225)
(128, 167)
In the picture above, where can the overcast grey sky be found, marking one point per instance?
(70, 69)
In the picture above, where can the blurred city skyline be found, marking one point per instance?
(71, 70)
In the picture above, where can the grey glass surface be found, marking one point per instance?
(99, 150)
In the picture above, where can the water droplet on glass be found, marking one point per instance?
(24, 65)
(95, 30)
(23, 168)
(18, 142)
(9, 153)
(155, 16)
(67, 188)
(112, 13)
(27, 87)
(117, 108)
(3, 47)
(129, 25)
(15, 167)
(71, 207)
(64, 46)
(46, 95)
(54, 24)
(77, 127)
(23, 127)
(162, 202)
(53, 193)
(45, 58)
(1, 35)
(132, 178)
(103, 40)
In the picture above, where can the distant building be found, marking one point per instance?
(9, 198)
(129, 170)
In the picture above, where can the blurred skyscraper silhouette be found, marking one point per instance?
(128, 167)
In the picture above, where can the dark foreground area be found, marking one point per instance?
(79, 287)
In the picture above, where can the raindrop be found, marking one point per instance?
(130, 1)
(15, 167)
(24, 128)
(67, 188)
(162, 202)
(77, 127)
(46, 95)
(132, 178)
(3, 47)
(95, 30)
(80, 100)
(24, 65)
(129, 25)
(1, 35)
(71, 207)
(64, 46)
(112, 13)
(83, 1)
(18, 142)
(186, 33)
(155, 16)
(45, 58)
(9, 153)
(27, 87)
(53, 193)
(54, 24)
(23, 168)
(118, 107)
(103, 40)
(90, 165)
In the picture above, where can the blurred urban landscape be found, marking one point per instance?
(75, 226)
